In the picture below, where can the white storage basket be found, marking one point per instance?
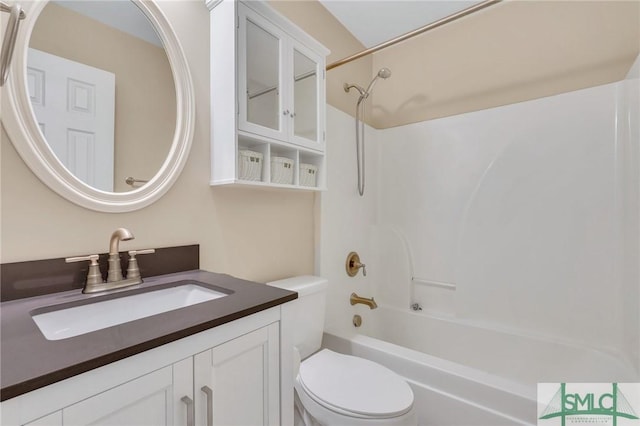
(282, 170)
(249, 165)
(308, 175)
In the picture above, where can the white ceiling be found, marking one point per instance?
(376, 21)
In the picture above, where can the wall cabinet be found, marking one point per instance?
(267, 97)
(236, 382)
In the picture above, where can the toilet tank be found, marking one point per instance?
(307, 311)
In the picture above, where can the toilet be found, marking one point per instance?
(333, 389)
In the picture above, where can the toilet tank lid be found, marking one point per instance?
(303, 285)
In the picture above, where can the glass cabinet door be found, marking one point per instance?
(306, 81)
(280, 83)
(305, 96)
(261, 91)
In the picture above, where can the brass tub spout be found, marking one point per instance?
(355, 299)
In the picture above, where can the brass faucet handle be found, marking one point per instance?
(353, 265)
(357, 265)
(363, 266)
(94, 276)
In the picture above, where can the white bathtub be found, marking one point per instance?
(467, 375)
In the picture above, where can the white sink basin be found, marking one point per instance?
(77, 320)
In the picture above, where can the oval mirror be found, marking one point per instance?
(100, 102)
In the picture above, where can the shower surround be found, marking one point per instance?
(520, 220)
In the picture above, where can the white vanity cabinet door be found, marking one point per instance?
(182, 398)
(53, 419)
(162, 397)
(147, 400)
(244, 377)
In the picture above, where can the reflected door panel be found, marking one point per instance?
(74, 105)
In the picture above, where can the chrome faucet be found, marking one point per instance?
(115, 280)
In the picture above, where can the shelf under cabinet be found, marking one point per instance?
(255, 183)
(266, 151)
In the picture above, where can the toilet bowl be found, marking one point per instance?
(333, 389)
(337, 389)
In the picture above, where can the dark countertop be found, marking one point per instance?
(29, 361)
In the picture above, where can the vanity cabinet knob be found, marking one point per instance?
(94, 276)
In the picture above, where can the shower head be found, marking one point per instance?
(384, 73)
(364, 94)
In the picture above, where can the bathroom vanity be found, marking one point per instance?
(213, 362)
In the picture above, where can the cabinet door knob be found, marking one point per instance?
(285, 112)
(207, 390)
(189, 403)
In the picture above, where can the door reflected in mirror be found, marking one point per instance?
(102, 91)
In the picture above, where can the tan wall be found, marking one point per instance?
(264, 235)
(145, 94)
(318, 22)
(254, 234)
(510, 52)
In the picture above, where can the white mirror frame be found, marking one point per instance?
(19, 123)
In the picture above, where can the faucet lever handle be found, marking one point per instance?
(92, 257)
(134, 253)
(133, 271)
(94, 276)
(358, 265)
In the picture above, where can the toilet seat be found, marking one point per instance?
(344, 384)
